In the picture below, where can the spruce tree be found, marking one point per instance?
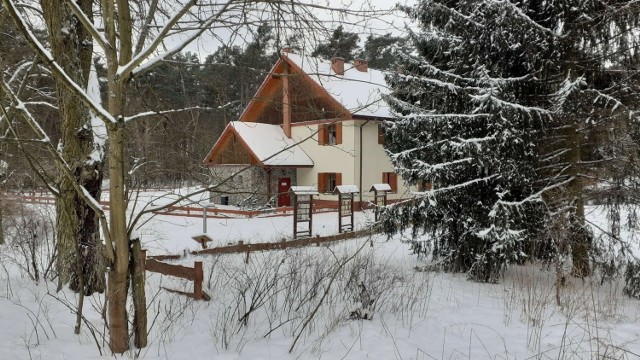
(497, 110)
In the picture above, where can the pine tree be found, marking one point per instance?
(342, 44)
(493, 109)
(380, 51)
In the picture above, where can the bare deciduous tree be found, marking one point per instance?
(132, 37)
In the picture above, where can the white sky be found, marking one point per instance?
(364, 24)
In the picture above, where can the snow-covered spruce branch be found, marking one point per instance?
(455, 13)
(47, 58)
(536, 197)
(443, 116)
(165, 112)
(429, 168)
(600, 95)
(456, 186)
(435, 70)
(503, 103)
(555, 155)
(521, 15)
(451, 87)
(460, 142)
(405, 153)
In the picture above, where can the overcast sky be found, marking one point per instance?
(363, 23)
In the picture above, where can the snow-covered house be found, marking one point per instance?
(312, 122)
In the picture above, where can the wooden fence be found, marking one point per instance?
(194, 274)
(186, 211)
(213, 212)
(43, 200)
(248, 248)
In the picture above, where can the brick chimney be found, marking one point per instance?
(337, 65)
(361, 65)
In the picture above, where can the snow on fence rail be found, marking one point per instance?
(186, 211)
(268, 246)
(213, 212)
(193, 274)
(42, 200)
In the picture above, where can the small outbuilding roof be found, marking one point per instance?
(304, 190)
(380, 187)
(270, 145)
(267, 143)
(346, 189)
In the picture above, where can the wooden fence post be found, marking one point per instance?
(139, 299)
(197, 281)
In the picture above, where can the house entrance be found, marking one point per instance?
(283, 191)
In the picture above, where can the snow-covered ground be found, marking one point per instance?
(172, 234)
(315, 294)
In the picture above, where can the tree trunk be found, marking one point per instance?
(76, 222)
(579, 236)
(1, 221)
(117, 291)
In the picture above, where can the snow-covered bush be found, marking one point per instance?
(30, 236)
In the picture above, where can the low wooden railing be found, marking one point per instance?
(194, 274)
(241, 247)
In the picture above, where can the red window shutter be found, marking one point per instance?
(338, 179)
(322, 180)
(393, 182)
(339, 133)
(322, 134)
(380, 134)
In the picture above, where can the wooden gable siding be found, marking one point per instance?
(232, 151)
(270, 92)
(309, 103)
(308, 100)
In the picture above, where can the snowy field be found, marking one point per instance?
(357, 299)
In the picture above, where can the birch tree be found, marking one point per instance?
(132, 37)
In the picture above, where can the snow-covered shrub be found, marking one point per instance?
(30, 234)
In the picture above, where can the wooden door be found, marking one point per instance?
(284, 184)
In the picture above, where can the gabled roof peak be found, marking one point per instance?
(359, 88)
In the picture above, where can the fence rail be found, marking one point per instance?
(241, 247)
(194, 274)
(185, 211)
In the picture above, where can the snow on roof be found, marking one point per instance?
(359, 92)
(304, 190)
(346, 189)
(268, 143)
(380, 187)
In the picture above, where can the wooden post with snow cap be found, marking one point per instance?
(379, 197)
(345, 206)
(302, 209)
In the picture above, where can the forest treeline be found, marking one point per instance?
(169, 148)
